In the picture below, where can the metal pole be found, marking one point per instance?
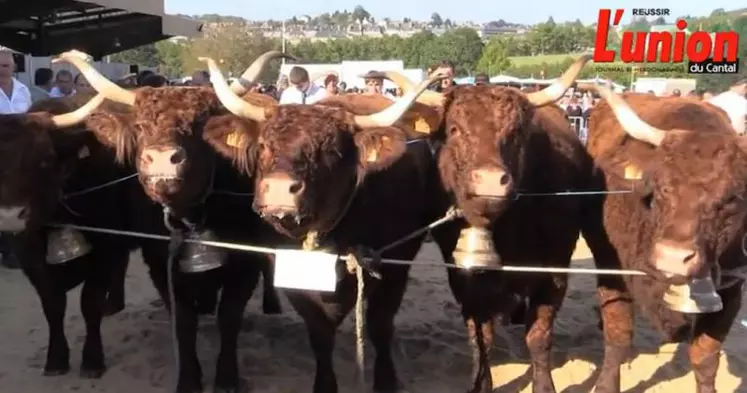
(282, 35)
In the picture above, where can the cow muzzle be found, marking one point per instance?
(278, 195)
(672, 259)
(162, 163)
(13, 218)
(491, 182)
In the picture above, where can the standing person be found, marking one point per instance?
(82, 85)
(734, 103)
(201, 78)
(43, 83)
(15, 97)
(482, 79)
(63, 85)
(301, 90)
(330, 84)
(445, 67)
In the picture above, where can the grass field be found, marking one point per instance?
(518, 61)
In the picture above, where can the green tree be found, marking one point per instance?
(146, 55)
(171, 55)
(494, 59)
(436, 19)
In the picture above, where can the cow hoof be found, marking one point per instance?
(272, 308)
(225, 390)
(56, 371)
(113, 308)
(92, 373)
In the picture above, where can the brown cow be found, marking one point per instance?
(684, 219)
(171, 135)
(499, 145)
(45, 154)
(351, 179)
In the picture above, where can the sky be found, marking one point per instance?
(525, 12)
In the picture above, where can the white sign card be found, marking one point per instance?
(307, 270)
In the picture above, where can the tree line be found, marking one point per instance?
(235, 48)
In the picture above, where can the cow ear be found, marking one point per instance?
(113, 130)
(71, 144)
(233, 138)
(379, 148)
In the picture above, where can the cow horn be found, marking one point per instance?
(630, 122)
(78, 115)
(556, 90)
(99, 82)
(256, 69)
(428, 97)
(228, 98)
(394, 112)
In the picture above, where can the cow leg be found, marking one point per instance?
(617, 321)
(154, 256)
(383, 303)
(270, 298)
(236, 294)
(321, 321)
(115, 300)
(54, 302)
(709, 334)
(189, 373)
(92, 305)
(480, 333)
(543, 307)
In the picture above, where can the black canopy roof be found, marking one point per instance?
(50, 27)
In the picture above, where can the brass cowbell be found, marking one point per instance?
(475, 249)
(198, 258)
(66, 244)
(698, 296)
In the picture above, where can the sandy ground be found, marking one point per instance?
(431, 346)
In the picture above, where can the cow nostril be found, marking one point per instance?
(689, 257)
(296, 187)
(505, 178)
(476, 177)
(147, 158)
(178, 157)
(24, 213)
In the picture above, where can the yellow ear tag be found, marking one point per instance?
(632, 172)
(422, 126)
(235, 139)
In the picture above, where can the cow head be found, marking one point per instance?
(311, 158)
(696, 190)
(165, 133)
(486, 129)
(37, 150)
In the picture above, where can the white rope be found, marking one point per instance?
(268, 250)
(100, 186)
(360, 323)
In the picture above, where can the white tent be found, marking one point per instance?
(504, 79)
(532, 81)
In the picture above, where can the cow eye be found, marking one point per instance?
(453, 131)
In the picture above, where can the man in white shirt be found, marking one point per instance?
(14, 95)
(14, 98)
(63, 85)
(734, 103)
(301, 90)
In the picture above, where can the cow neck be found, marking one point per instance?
(315, 237)
(191, 218)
